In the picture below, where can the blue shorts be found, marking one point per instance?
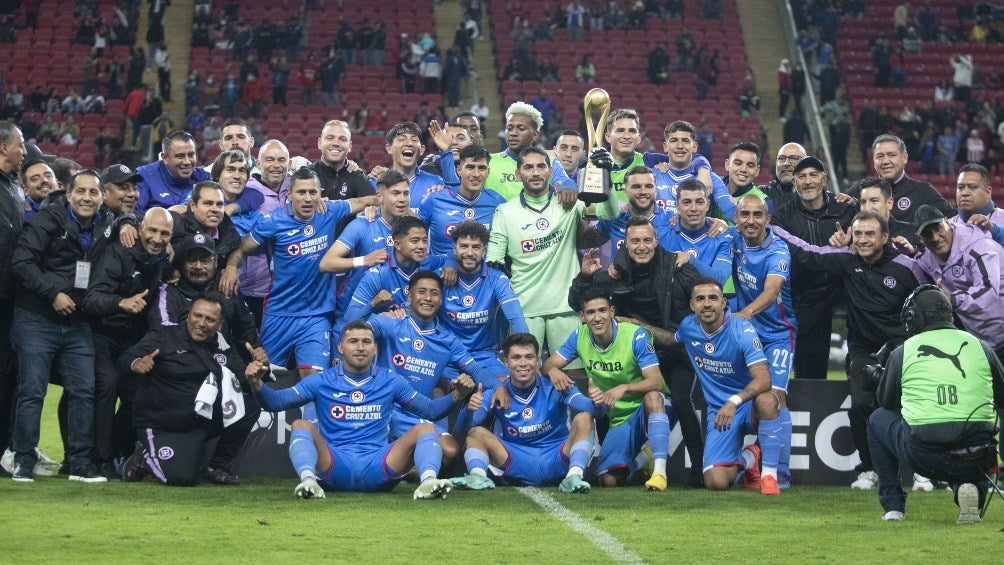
(780, 355)
(724, 449)
(360, 471)
(622, 443)
(536, 466)
(401, 422)
(308, 336)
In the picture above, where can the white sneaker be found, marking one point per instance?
(44, 467)
(922, 484)
(308, 488)
(969, 504)
(7, 461)
(893, 516)
(433, 488)
(866, 481)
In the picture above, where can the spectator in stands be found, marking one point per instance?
(548, 70)
(137, 64)
(253, 94)
(912, 43)
(162, 59)
(280, 79)
(169, 180)
(195, 120)
(928, 150)
(585, 71)
(637, 16)
(795, 129)
(576, 20)
(73, 103)
(7, 28)
(927, 21)
(90, 68)
(829, 81)
(963, 77)
(749, 99)
(901, 19)
(783, 88)
(69, 131)
(346, 37)
(684, 51)
(880, 61)
(840, 141)
(658, 64)
(114, 74)
(193, 91)
(309, 80)
(710, 10)
(975, 148)
(948, 150)
(329, 74)
(108, 144)
(521, 37)
(807, 44)
(614, 17)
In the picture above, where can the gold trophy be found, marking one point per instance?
(594, 182)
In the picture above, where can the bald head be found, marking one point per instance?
(155, 230)
(273, 160)
(787, 156)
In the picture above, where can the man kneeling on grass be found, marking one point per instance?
(532, 442)
(348, 450)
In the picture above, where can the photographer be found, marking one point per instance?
(936, 411)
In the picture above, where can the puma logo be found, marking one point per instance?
(931, 351)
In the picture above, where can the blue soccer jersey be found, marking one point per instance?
(361, 237)
(667, 185)
(615, 229)
(299, 288)
(481, 308)
(419, 186)
(750, 268)
(354, 411)
(711, 256)
(448, 165)
(443, 210)
(721, 359)
(537, 416)
(393, 278)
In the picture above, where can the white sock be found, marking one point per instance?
(769, 472)
(660, 466)
(426, 475)
(479, 471)
(749, 459)
(307, 474)
(576, 470)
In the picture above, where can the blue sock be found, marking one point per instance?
(785, 457)
(428, 454)
(309, 412)
(658, 435)
(476, 460)
(770, 445)
(580, 454)
(302, 452)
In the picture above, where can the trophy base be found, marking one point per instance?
(593, 197)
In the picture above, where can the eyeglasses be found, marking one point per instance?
(789, 158)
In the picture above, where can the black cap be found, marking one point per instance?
(808, 161)
(197, 240)
(33, 152)
(119, 174)
(926, 216)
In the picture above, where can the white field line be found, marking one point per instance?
(605, 542)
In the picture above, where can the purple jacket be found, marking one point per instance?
(972, 276)
(254, 272)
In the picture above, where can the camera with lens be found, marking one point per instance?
(873, 373)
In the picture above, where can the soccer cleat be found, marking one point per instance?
(969, 504)
(657, 482)
(922, 484)
(134, 468)
(22, 474)
(308, 488)
(893, 516)
(220, 476)
(87, 473)
(768, 486)
(574, 484)
(751, 475)
(866, 480)
(433, 488)
(783, 481)
(650, 459)
(473, 481)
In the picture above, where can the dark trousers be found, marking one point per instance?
(8, 375)
(257, 306)
(814, 312)
(175, 458)
(685, 395)
(862, 404)
(889, 438)
(113, 431)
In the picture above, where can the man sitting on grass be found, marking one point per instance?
(532, 442)
(348, 450)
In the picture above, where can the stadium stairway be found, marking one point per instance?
(448, 17)
(178, 31)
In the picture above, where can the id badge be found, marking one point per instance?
(83, 276)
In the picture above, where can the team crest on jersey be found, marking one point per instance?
(467, 301)
(527, 413)
(709, 348)
(782, 265)
(308, 230)
(199, 238)
(165, 453)
(620, 243)
(293, 249)
(357, 396)
(889, 282)
(229, 408)
(337, 412)
(418, 344)
(903, 203)
(399, 359)
(649, 347)
(756, 344)
(220, 358)
(957, 271)
(449, 229)
(511, 430)
(468, 213)
(528, 246)
(542, 224)
(674, 189)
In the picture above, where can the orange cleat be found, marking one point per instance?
(768, 487)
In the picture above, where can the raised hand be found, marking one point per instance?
(135, 303)
(144, 364)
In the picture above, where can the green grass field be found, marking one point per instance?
(54, 520)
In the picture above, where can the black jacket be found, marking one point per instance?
(815, 227)
(908, 195)
(120, 273)
(169, 306)
(11, 212)
(659, 283)
(875, 293)
(780, 193)
(341, 184)
(45, 261)
(227, 239)
(165, 398)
